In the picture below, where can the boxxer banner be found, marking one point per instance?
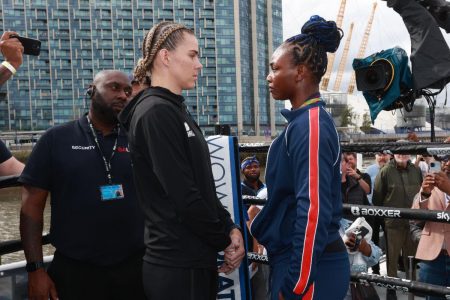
(223, 151)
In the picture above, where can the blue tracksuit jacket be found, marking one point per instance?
(304, 203)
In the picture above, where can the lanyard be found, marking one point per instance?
(107, 162)
(310, 101)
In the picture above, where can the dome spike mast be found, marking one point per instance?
(362, 48)
(331, 56)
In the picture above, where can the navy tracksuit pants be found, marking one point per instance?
(331, 283)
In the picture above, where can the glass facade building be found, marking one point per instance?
(82, 37)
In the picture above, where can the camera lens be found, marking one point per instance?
(372, 76)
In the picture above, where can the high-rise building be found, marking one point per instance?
(81, 37)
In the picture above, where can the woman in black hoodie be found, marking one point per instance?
(186, 225)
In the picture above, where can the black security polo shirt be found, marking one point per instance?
(67, 163)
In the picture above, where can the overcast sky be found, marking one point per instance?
(388, 29)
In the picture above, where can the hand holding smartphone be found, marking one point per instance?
(435, 166)
(30, 46)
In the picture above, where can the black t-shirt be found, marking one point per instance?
(353, 193)
(4, 153)
(67, 163)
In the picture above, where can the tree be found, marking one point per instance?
(347, 117)
(366, 123)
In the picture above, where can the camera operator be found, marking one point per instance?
(12, 51)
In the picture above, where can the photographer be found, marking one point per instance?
(362, 252)
(434, 242)
(12, 51)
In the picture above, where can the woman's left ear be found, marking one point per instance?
(164, 56)
(300, 73)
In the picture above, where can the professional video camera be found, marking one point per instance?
(385, 78)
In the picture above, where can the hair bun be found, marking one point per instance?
(320, 32)
(324, 33)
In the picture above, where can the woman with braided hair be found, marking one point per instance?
(186, 225)
(299, 225)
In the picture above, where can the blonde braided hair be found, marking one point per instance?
(150, 47)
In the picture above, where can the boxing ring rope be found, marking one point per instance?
(403, 285)
(378, 211)
(396, 148)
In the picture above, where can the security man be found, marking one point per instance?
(96, 223)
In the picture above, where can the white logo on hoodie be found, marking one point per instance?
(189, 131)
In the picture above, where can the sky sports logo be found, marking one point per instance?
(443, 216)
(377, 212)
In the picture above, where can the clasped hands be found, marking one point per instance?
(234, 253)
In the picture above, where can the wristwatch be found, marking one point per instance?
(33, 266)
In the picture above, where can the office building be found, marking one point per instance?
(81, 37)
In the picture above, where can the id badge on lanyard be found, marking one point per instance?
(111, 192)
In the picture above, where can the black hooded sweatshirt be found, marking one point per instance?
(185, 223)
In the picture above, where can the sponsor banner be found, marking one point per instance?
(439, 151)
(380, 212)
(402, 285)
(224, 163)
(393, 212)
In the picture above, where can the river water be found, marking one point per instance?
(10, 199)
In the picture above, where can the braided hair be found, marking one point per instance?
(310, 47)
(164, 35)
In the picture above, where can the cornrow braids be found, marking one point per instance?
(163, 35)
(143, 64)
(313, 56)
(148, 39)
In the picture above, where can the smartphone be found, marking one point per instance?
(435, 166)
(360, 232)
(30, 46)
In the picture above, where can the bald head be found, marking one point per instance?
(109, 93)
(103, 75)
